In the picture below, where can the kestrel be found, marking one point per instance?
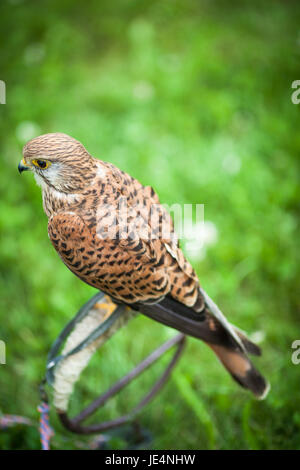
(112, 232)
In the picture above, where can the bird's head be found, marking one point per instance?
(58, 161)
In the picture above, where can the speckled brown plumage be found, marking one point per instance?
(85, 199)
(131, 270)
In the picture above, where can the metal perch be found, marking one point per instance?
(95, 322)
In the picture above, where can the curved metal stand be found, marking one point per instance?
(75, 424)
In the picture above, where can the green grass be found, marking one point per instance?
(194, 98)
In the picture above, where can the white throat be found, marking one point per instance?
(54, 194)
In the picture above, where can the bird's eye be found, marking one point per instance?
(43, 164)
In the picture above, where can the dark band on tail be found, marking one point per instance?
(229, 344)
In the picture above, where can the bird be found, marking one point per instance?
(114, 234)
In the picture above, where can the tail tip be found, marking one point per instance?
(265, 392)
(254, 382)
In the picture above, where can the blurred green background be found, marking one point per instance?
(194, 98)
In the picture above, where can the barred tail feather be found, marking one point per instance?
(229, 343)
(242, 370)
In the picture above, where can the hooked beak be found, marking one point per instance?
(22, 166)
